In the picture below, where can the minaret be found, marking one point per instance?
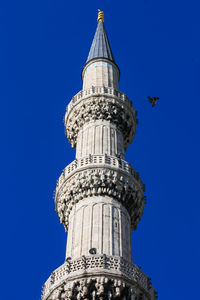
(99, 197)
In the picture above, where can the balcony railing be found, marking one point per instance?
(98, 90)
(100, 160)
(89, 263)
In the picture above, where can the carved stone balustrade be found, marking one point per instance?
(98, 90)
(124, 279)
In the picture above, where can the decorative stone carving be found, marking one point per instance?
(56, 294)
(101, 108)
(100, 182)
(97, 288)
(99, 90)
(96, 160)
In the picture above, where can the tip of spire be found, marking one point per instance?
(100, 16)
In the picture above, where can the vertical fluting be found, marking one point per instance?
(101, 223)
(98, 138)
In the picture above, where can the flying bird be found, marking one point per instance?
(153, 100)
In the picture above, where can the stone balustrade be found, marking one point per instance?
(115, 266)
(96, 160)
(97, 106)
(98, 90)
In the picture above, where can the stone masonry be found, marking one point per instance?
(99, 197)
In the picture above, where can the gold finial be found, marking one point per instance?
(100, 16)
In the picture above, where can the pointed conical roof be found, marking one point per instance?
(100, 46)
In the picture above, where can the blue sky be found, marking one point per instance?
(44, 45)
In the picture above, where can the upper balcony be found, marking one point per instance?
(100, 103)
(99, 90)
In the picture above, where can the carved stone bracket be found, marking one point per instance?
(100, 182)
(102, 107)
(98, 288)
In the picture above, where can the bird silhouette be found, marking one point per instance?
(153, 100)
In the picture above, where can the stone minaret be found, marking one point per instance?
(99, 197)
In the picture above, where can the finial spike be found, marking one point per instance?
(100, 16)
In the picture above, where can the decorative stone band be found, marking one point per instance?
(107, 273)
(99, 179)
(100, 107)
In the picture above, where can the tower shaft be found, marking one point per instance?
(99, 197)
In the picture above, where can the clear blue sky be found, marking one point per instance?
(44, 45)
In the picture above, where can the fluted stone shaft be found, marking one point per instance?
(99, 137)
(101, 223)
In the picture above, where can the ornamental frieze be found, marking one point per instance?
(101, 108)
(100, 182)
(98, 287)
